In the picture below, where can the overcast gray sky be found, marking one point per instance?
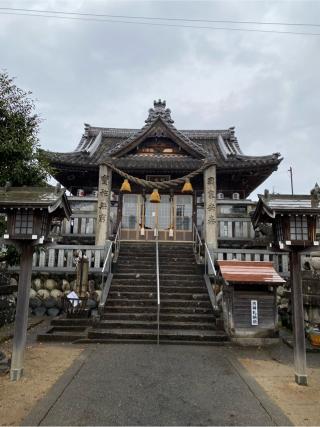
(108, 74)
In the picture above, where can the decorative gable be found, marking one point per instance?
(156, 145)
(159, 126)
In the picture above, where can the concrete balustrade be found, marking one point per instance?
(58, 259)
(279, 259)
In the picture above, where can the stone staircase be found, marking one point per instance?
(130, 313)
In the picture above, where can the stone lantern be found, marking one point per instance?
(294, 220)
(30, 211)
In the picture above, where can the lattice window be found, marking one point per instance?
(184, 212)
(23, 222)
(129, 213)
(298, 228)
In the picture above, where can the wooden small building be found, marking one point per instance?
(32, 212)
(294, 218)
(249, 299)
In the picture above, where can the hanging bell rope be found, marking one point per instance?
(159, 185)
(125, 187)
(187, 188)
(155, 196)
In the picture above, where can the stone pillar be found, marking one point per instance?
(103, 209)
(210, 207)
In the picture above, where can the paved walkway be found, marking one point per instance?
(148, 385)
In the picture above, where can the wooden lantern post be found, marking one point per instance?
(299, 351)
(294, 223)
(21, 320)
(29, 212)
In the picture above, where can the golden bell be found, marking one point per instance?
(125, 187)
(187, 187)
(155, 196)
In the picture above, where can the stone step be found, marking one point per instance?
(106, 325)
(172, 303)
(144, 309)
(163, 288)
(71, 322)
(164, 276)
(64, 334)
(153, 309)
(177, 255)
(145, 264)
(152, 249)
(152, 316)
(126, 278)
(148, 270)
(165, 247)
(172, 335)
(130, 302)
(197, 296)
(163, 283)
(123, 256)
(201, 318)
(133, 295)
(140, 324)
(162, 341)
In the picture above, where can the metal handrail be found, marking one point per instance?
(158, 286)
(117, 242)
(111, 256)
(106, 265)
(197, 242)
(207, 257)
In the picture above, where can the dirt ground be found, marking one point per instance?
(276, 377)
(272, 369)
(44, 364)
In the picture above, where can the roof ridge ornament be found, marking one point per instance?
(159, 110)
(315, 196)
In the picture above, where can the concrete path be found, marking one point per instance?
(129, 384)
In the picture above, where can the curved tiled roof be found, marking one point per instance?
(99, 144)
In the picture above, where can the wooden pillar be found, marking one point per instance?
(210, 207)
(300, 364)
(103, 209)
(21, 321)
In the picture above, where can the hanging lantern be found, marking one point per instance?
(125, 187)
(187, 187)
(155, 196)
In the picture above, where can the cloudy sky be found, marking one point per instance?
(108, 74)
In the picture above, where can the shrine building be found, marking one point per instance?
(201, 178)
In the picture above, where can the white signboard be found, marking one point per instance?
(254, 312)
(74, 298)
